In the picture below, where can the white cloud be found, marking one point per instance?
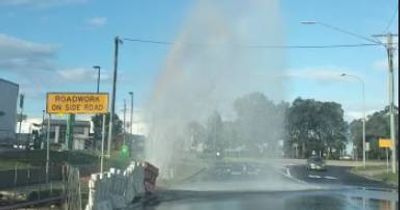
(318, 73)
(80, 74)
(17, 54)
(39, 3)
(96, 22)
(356, 112)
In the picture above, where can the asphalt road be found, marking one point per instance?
(334, 175)
(274, 188)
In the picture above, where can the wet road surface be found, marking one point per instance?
(273, 188)
(334, 175)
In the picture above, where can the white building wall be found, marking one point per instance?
(57, 134)
(8, 109)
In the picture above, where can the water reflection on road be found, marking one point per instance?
(334, 199)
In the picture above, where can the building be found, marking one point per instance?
(8, 111)
(81, 137)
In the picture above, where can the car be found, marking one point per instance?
(252, 169)
(316, 163)
(237, 169)
(345, 157)
(222, 169)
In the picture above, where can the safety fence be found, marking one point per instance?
(116, 189)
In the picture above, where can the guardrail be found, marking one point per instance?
(116, 189)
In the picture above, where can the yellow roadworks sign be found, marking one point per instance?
(385, 143)
(77, 103)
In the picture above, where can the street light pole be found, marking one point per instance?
(21, 106)
(124, 127)
(363, 107)
(341, 30)
(131, 127)
(103, 127)
(117, 41)
(98, 77)
(48, 148)
(42, 132)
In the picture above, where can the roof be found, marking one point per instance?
(9, 82)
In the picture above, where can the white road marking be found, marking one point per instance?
(330, 177)
(288, 172)
(314, 176)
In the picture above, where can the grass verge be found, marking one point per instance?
(377, 172)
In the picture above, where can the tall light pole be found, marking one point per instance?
(124, 126)
(98, 77)
(42, 143)
(117, 42)
(103, 122)
(389, 50)
(131, 127)
(363, 108)
(48, 148)
(21, 107)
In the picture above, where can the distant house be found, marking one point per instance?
(58, 128)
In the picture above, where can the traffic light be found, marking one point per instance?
(124, 153)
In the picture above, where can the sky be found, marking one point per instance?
(51, 46)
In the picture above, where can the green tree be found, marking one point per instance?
(230, 135)
(377, 126)
(196, 133)
(214, 132)
(260, 122)
(316, 126)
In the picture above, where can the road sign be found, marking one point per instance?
(367, 147)
(385, 143)
(77, 103)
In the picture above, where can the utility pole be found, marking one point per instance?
(48, 148)
(131, 126)
(117, 41)
(42, 131)
(389, 50)
(124, 126)
(21, 107)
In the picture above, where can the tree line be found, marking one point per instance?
(298, 129)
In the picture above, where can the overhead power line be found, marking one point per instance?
(390, 22)
(258, 46)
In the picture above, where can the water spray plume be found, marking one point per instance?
(198, 79)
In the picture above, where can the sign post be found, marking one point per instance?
(77, 103)
(69, 134)
(386, 144)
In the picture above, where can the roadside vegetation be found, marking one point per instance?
(37, 158)
(377, 172)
